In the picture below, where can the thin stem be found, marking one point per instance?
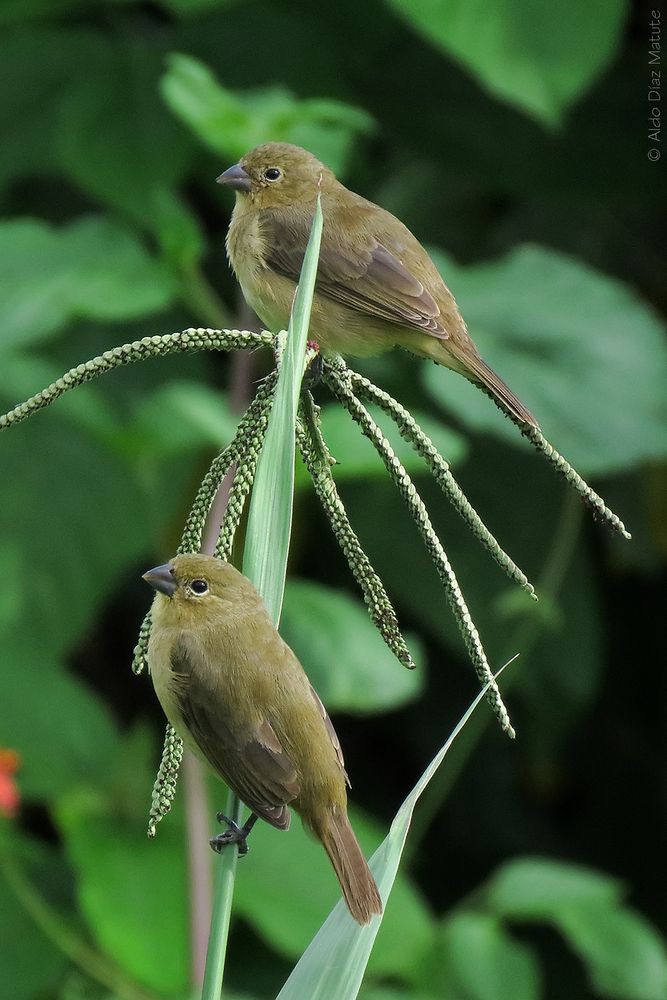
(51, 923)
(199, 862)
(223, 895)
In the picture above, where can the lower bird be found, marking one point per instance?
(376, 287)
(239, 698)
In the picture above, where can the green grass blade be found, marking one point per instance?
(333, 965)
(265, 552)
(270, 516)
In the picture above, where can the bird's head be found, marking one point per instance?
(276, 174)
(201, 581)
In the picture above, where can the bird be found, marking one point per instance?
(241, 701)
(376, 286)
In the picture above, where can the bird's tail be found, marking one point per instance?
(358, 885)
(500, 393)
(465, 360)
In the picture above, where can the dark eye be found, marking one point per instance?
(199, 587)
(273, 173)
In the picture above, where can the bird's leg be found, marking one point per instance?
(234, 834)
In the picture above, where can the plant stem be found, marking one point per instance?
(223, 895)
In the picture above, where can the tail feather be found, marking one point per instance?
(358, 885)
(461, 355)
(478, 371)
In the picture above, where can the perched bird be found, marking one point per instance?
(377, 287)
(239, 698)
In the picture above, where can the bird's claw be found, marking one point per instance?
(234, 834)
(314, 370)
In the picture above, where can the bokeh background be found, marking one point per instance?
(513, 138)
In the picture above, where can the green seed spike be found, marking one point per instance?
(185, 341)
(252, 423)
(600, 510)
(246, 466)
(412, 433)
(164, 788)
(379, 606)
(340, 386)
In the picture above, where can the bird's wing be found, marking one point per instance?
(256, 767)
(331, 731)
(363, 273)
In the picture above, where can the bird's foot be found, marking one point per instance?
(234, 834)
(316, 367)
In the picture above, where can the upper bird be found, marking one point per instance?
(376, 288)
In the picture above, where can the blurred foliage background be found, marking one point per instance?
(512, 138)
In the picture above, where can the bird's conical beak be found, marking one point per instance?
(162, 578)
(235, 178)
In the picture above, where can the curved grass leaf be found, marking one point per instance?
(333, 965)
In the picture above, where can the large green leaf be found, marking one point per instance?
(539, 888)
(115, 138)
(537, 57)
(131, 890)
(584, 353)
(478, 959)
(287, 887)
(63, 733)
(231, 123)
(625, 956)
(27, 119)
(334, 964)
(347, 662)
(94, 268)
(32, 965)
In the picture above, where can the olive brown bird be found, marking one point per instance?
(376, 288)
(239, 698)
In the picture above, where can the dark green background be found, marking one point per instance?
(513, 139)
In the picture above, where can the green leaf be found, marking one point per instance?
(477, 959)
(231, 123)
(178, 417)
(288, 888)
(346, 660)
(357, 458)
(27, 120)
(131, 890)
(63, 733)
(625, 956)
(334, 964)
(31, 964)
(538, 58)
(557, 332)
(94, 268)
(115, 139)
(270, 516)
(539, 889)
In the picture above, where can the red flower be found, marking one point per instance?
(9, 793)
